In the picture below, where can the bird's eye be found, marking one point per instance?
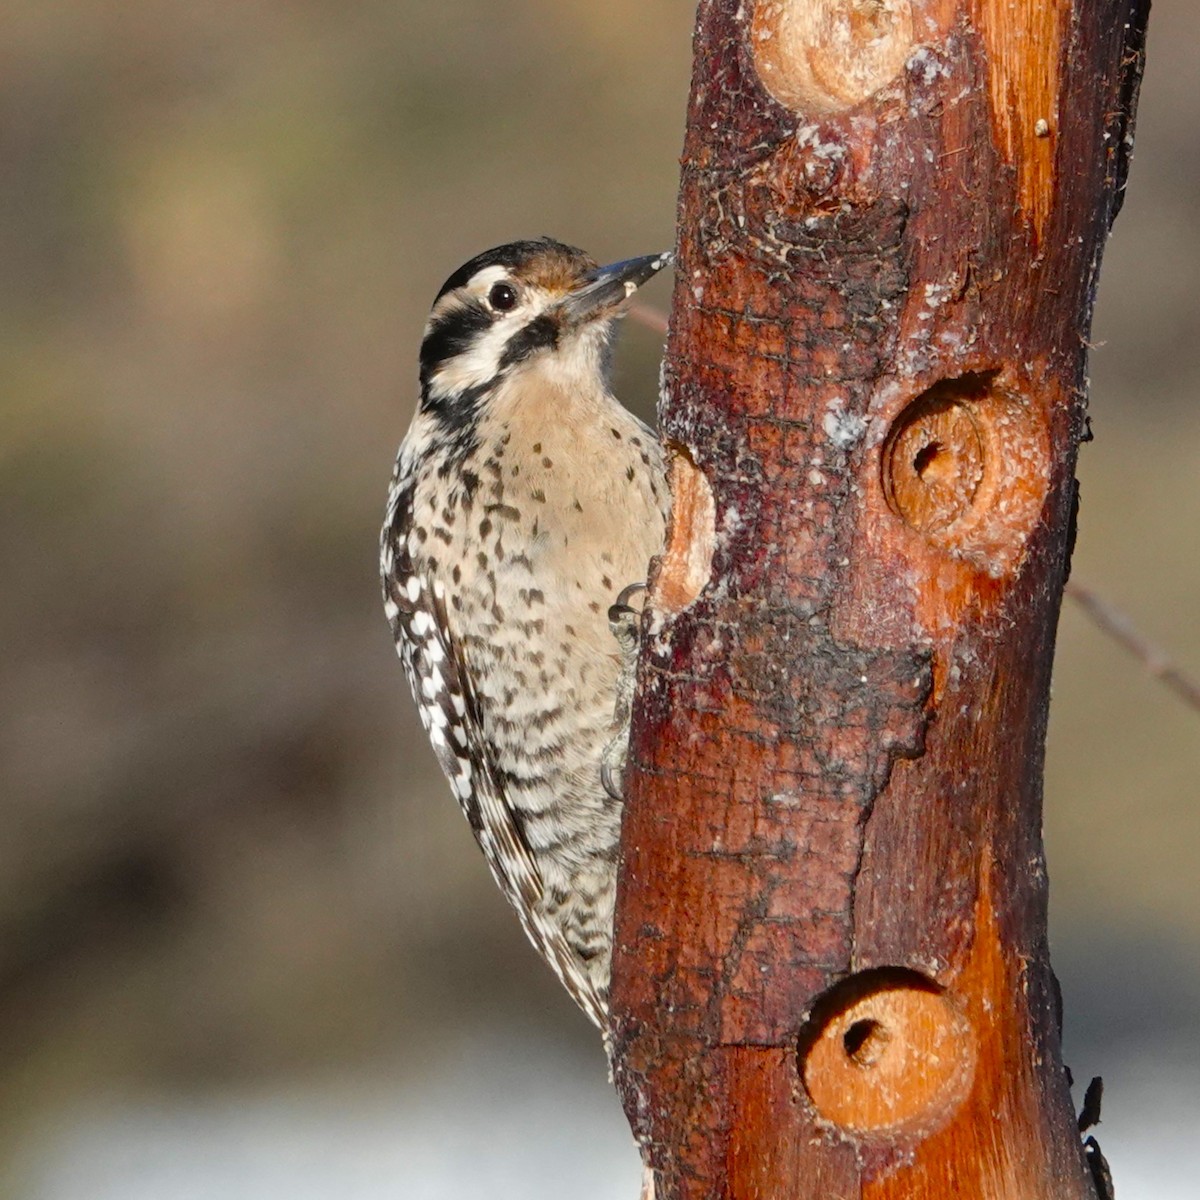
(503, 297)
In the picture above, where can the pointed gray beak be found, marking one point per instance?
(607, 288)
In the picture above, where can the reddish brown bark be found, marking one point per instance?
(831, 976)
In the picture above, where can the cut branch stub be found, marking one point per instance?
(828, 55)
(830, 973)
(886, 1051)
(967, 464)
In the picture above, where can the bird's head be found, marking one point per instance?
(525, 304)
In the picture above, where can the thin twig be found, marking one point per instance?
(1121, 629)
(652, 318)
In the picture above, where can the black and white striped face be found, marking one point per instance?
(514, 305)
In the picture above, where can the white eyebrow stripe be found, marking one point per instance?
(482, 280)
(477, 285)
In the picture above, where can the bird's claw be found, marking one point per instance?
(625, 622)
(612, 765)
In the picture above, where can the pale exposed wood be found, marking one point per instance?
(1026, 48)
(686, 563)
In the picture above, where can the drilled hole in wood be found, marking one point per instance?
(966, 463)
(934, 463)
(887, 1049)
(828, 55)
(932, 458)
(865, 1042)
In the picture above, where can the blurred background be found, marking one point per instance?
(247, 945)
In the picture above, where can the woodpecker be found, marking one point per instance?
(525, 499)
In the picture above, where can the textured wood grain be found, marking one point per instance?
(876, 361)
(1023, 90)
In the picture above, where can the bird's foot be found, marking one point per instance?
(625, 622)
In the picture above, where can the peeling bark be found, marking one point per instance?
(831, 975)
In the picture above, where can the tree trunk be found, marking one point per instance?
(831, 975)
